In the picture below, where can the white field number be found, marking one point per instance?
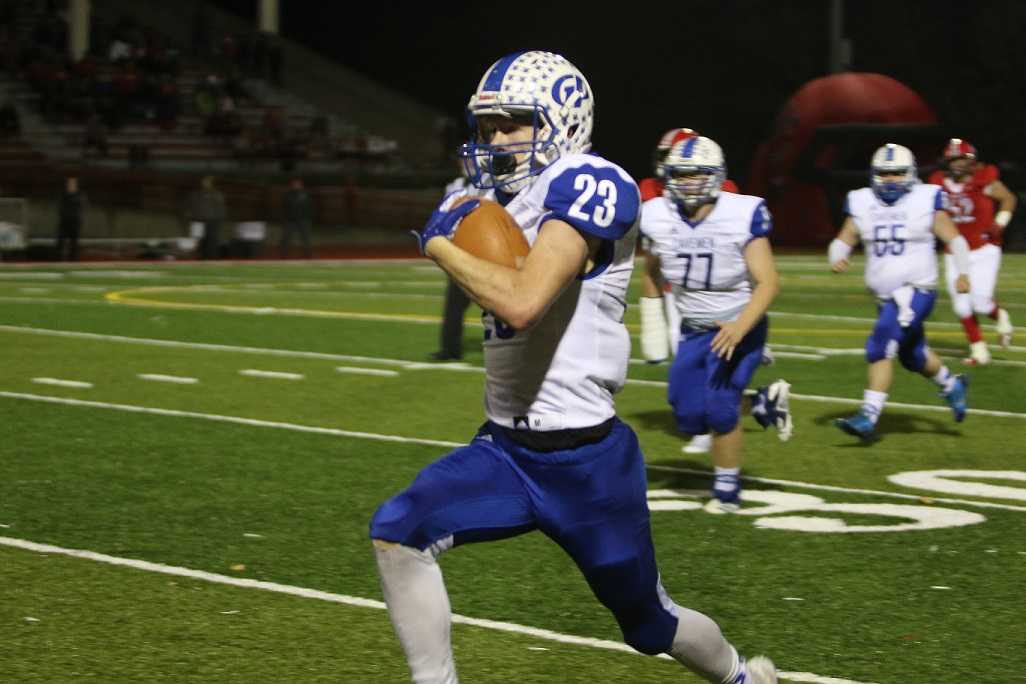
(789, 511)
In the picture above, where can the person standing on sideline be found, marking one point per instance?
(298, 218)
(552, 455)
(71, 209)
(898, 220)
(206, 206)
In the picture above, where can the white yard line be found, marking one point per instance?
(176, 379)
(128, 408)
(411, 365)
(303, 592)
(253, 422)
(367, 371)
(275, 375)
(62, 383)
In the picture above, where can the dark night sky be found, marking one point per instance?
(723, 67)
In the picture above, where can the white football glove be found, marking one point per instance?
(654, 342)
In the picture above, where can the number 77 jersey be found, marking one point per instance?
(898, 238)
(704, 262)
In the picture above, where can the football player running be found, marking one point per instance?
(713, 248)
(660, 320)
(551, 455)
(973, 190)
(897, 219)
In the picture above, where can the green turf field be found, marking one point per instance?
(190, 454)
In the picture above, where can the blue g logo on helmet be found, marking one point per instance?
(568, 86)
(542, 89)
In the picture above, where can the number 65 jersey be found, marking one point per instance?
(898, 239)
(562, 373)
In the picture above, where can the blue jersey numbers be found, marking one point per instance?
(889, 239)
(694, 281)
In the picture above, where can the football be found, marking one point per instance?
(490, 232)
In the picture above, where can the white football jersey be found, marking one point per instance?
(705, 262)
(898, 239)
(563, 372)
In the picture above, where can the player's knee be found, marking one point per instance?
(389, 522)
(650, 633)
(691, 421)
(962, 306)
(723, 418)
(880, 346)
(982, 305)
(913, 359)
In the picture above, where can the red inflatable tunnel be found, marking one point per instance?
(821, 145)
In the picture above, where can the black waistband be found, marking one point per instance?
(558, 440)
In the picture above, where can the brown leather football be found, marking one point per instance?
(490, 232)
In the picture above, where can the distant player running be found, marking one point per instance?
(897, 219)
(974, 191)
(713, 247)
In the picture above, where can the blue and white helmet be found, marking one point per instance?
(694, 172)
(540, 87)
(893, 158)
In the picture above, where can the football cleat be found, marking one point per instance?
(956, 397)
(1004, 328)
(979, 355)
(760, 670)
(726, 495)
(771, 405)
(699, 444)
(859, 426)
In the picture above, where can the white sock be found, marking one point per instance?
(699, 646)
(873, 403)
(419, 608)
(726, 479)
(944, 379)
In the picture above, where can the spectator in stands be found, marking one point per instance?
(71, 206)
(298, 218)
(206, 206)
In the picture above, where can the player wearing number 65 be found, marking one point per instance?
(712, 247)
(897, 220)
(551, 456)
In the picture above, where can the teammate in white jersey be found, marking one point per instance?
(711, 246)
(552, 455)
(897, 219)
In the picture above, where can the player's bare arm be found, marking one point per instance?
(840, 248)
(944, 228)
(763, 270)
(520, 297)
(1006, 201)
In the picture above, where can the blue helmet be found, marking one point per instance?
(538, 88)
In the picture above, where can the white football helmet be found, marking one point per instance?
(540, 87)
(694, 170)
(674, 135)
(893, 158)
